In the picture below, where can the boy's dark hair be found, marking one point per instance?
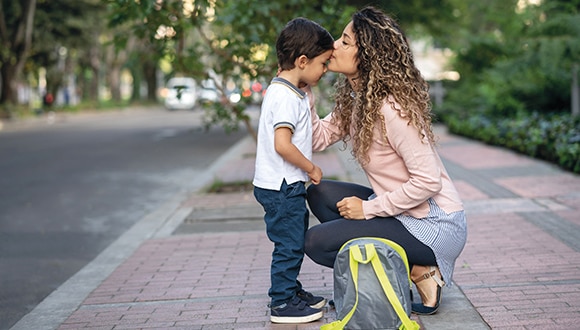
(301, 36)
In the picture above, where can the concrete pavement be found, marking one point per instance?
(202, 260)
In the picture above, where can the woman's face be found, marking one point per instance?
(343, 59)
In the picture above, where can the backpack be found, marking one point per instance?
(372, 286)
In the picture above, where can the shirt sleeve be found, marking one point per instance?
(285, 111)
(325, 132)
(422, 179)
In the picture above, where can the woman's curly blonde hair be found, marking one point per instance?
(385, 67)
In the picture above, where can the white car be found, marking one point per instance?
(181, 93)
(208, 91)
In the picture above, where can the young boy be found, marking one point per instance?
(283, 165)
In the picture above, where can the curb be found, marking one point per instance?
(457, 312)
(62, 302)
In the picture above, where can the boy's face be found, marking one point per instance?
(315, 68)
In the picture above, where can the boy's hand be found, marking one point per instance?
(315, 174)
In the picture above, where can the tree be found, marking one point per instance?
(151, 27)
(552, 49)
(242, 38)
(230, 41)
(65, 31)
(39, 34)
(514, 57)
(16, 27)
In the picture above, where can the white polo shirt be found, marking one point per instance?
(284, 105)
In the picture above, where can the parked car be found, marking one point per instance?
(208, 92)
(181, 93)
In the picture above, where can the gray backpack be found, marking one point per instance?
(372, 287)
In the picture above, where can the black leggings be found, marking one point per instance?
(324, 240)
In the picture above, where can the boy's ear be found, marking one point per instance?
(301, 61)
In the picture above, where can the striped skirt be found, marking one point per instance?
(444, 233)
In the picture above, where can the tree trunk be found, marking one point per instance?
(94, 85)
(95, 82)
(137, 81)
(251, 129)
(115, 59)
(150, 76)
(8, 93)
(114, 79)
(575, 92)
(13, 59)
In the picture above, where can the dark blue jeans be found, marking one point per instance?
(286, 224)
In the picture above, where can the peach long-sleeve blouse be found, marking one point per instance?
(404, 172)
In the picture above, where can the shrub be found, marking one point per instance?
(554, 138)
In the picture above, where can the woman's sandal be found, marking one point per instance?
(421, 309)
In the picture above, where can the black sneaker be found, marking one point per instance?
(312, 300)
(294, 311)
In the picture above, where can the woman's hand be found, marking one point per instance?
(351, 208)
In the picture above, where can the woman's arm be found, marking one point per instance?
(419, 171)
(325, 132)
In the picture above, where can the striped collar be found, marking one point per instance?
(277, 80)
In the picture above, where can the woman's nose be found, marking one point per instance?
(336, 43)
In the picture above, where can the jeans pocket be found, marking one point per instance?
(297, 189)
(269, 199)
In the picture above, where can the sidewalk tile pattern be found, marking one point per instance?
(520, 268)
(515, 273)
(199, 281)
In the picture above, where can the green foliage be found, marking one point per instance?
(516, 78)
(230, 42)
(220, 187)
(554, 137)
(512, 60)
(523, 64)
(63, 34)
(248, 25)
(166, 28)
(227, 115)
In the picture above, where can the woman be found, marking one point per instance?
(383, 109)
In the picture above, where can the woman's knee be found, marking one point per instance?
(313, 242)
(314, 190)
(309, 241)
(314, 248)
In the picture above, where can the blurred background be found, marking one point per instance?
(130, 102)
(503, 71)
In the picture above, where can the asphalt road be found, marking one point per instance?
(71, 185)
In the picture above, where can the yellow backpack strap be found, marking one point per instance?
(399, 249)
(406, 322)
(355, 256)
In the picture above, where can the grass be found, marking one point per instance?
(220, 187)
(8, 111)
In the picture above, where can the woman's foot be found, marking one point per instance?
(430, 291)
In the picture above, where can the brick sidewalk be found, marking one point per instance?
(198, 281)
(519, 269)
(521, 265)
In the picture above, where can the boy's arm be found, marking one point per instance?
(288, 151)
